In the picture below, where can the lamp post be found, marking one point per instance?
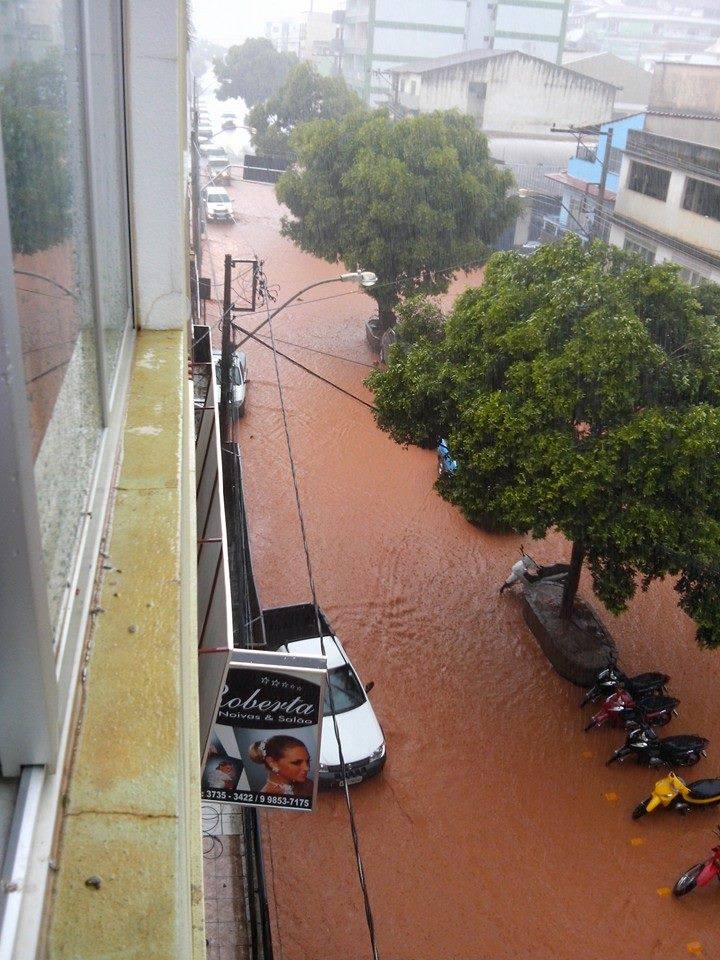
(362, 277)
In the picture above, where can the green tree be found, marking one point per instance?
(580, 389)
(304, 96)
(35, 139)
(409, 199)
(253, 71)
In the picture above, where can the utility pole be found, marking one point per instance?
(597, 222)
(226, 355)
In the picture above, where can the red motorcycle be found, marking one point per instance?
(621, 708)
(701, 874)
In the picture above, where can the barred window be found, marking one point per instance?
(702, 197)
(652, 181)
(634, 245)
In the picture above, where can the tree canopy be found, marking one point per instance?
(305, 95)
(253, 71)
(410, 199)
(579, 388)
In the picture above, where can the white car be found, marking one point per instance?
(205, 131)
(238, 381)
(228, 121)
(361, 736)
(218, 205)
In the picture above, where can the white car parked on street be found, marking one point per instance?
(218, 205)
(361, 736)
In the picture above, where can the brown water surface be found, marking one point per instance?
(495, 830)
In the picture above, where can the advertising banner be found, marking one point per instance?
(265, 745)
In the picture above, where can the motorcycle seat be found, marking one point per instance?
(704, 789)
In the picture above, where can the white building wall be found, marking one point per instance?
(668, 217)
(414, 43)
(441, 12)
(524, 96)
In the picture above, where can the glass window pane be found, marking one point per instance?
(105, 113)
(43, 137)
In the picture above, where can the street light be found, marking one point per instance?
(363, 277)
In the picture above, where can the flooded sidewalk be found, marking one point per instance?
(495, 831)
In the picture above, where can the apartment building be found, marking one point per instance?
(644, 31)
(99, 758)
(668, 202)
(583, 211)
(380, 34)
(536, 27)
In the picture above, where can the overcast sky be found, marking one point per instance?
(231, 21)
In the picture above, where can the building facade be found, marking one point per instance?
(644, 32)
(668, 204)
(537, 28)
(583, 212)
(505, 92)
(380, 34)
(99, 755)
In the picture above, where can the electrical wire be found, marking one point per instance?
(324, 353)
(311, 579)
(313, 373)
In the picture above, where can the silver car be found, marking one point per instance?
(238, 381)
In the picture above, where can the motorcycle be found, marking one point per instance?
(680, 751)
(672, 791)
(701, 874)
(612, 678)
(621, 708)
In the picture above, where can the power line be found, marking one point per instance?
(313, 373)
(331, 699)
(324, 353)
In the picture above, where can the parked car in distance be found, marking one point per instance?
(228, 121)
(205, 131)
(219, 167)
(238, 381)
(447, 465)
(218, 205)
(361, 736)
(530, 246)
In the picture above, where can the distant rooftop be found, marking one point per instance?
(471, 56)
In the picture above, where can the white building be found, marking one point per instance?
(668, 201)
(668, 205)
(505, 92)
(379, 35)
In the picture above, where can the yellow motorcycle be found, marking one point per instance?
(672, 791)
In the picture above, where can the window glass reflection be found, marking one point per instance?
(43, 140)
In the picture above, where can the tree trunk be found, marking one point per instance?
(386, 311)
(572, 581)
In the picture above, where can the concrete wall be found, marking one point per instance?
(685, 87)
(524, 95)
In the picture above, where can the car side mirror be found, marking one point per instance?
(369, 686)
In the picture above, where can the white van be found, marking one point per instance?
(218, 205)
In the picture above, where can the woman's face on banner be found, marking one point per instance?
(294, 765)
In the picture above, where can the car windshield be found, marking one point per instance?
(218, 198)
(235, 374)
(347, 692)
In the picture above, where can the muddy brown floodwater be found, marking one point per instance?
(495, 830)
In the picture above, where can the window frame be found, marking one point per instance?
(41, 661)
(648, 169)
(691, 185)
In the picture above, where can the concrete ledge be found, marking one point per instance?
(579, 649)
(131, 817)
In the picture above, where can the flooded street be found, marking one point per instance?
(495, 830)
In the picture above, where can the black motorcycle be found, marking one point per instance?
(612, 678)
(681, 751)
